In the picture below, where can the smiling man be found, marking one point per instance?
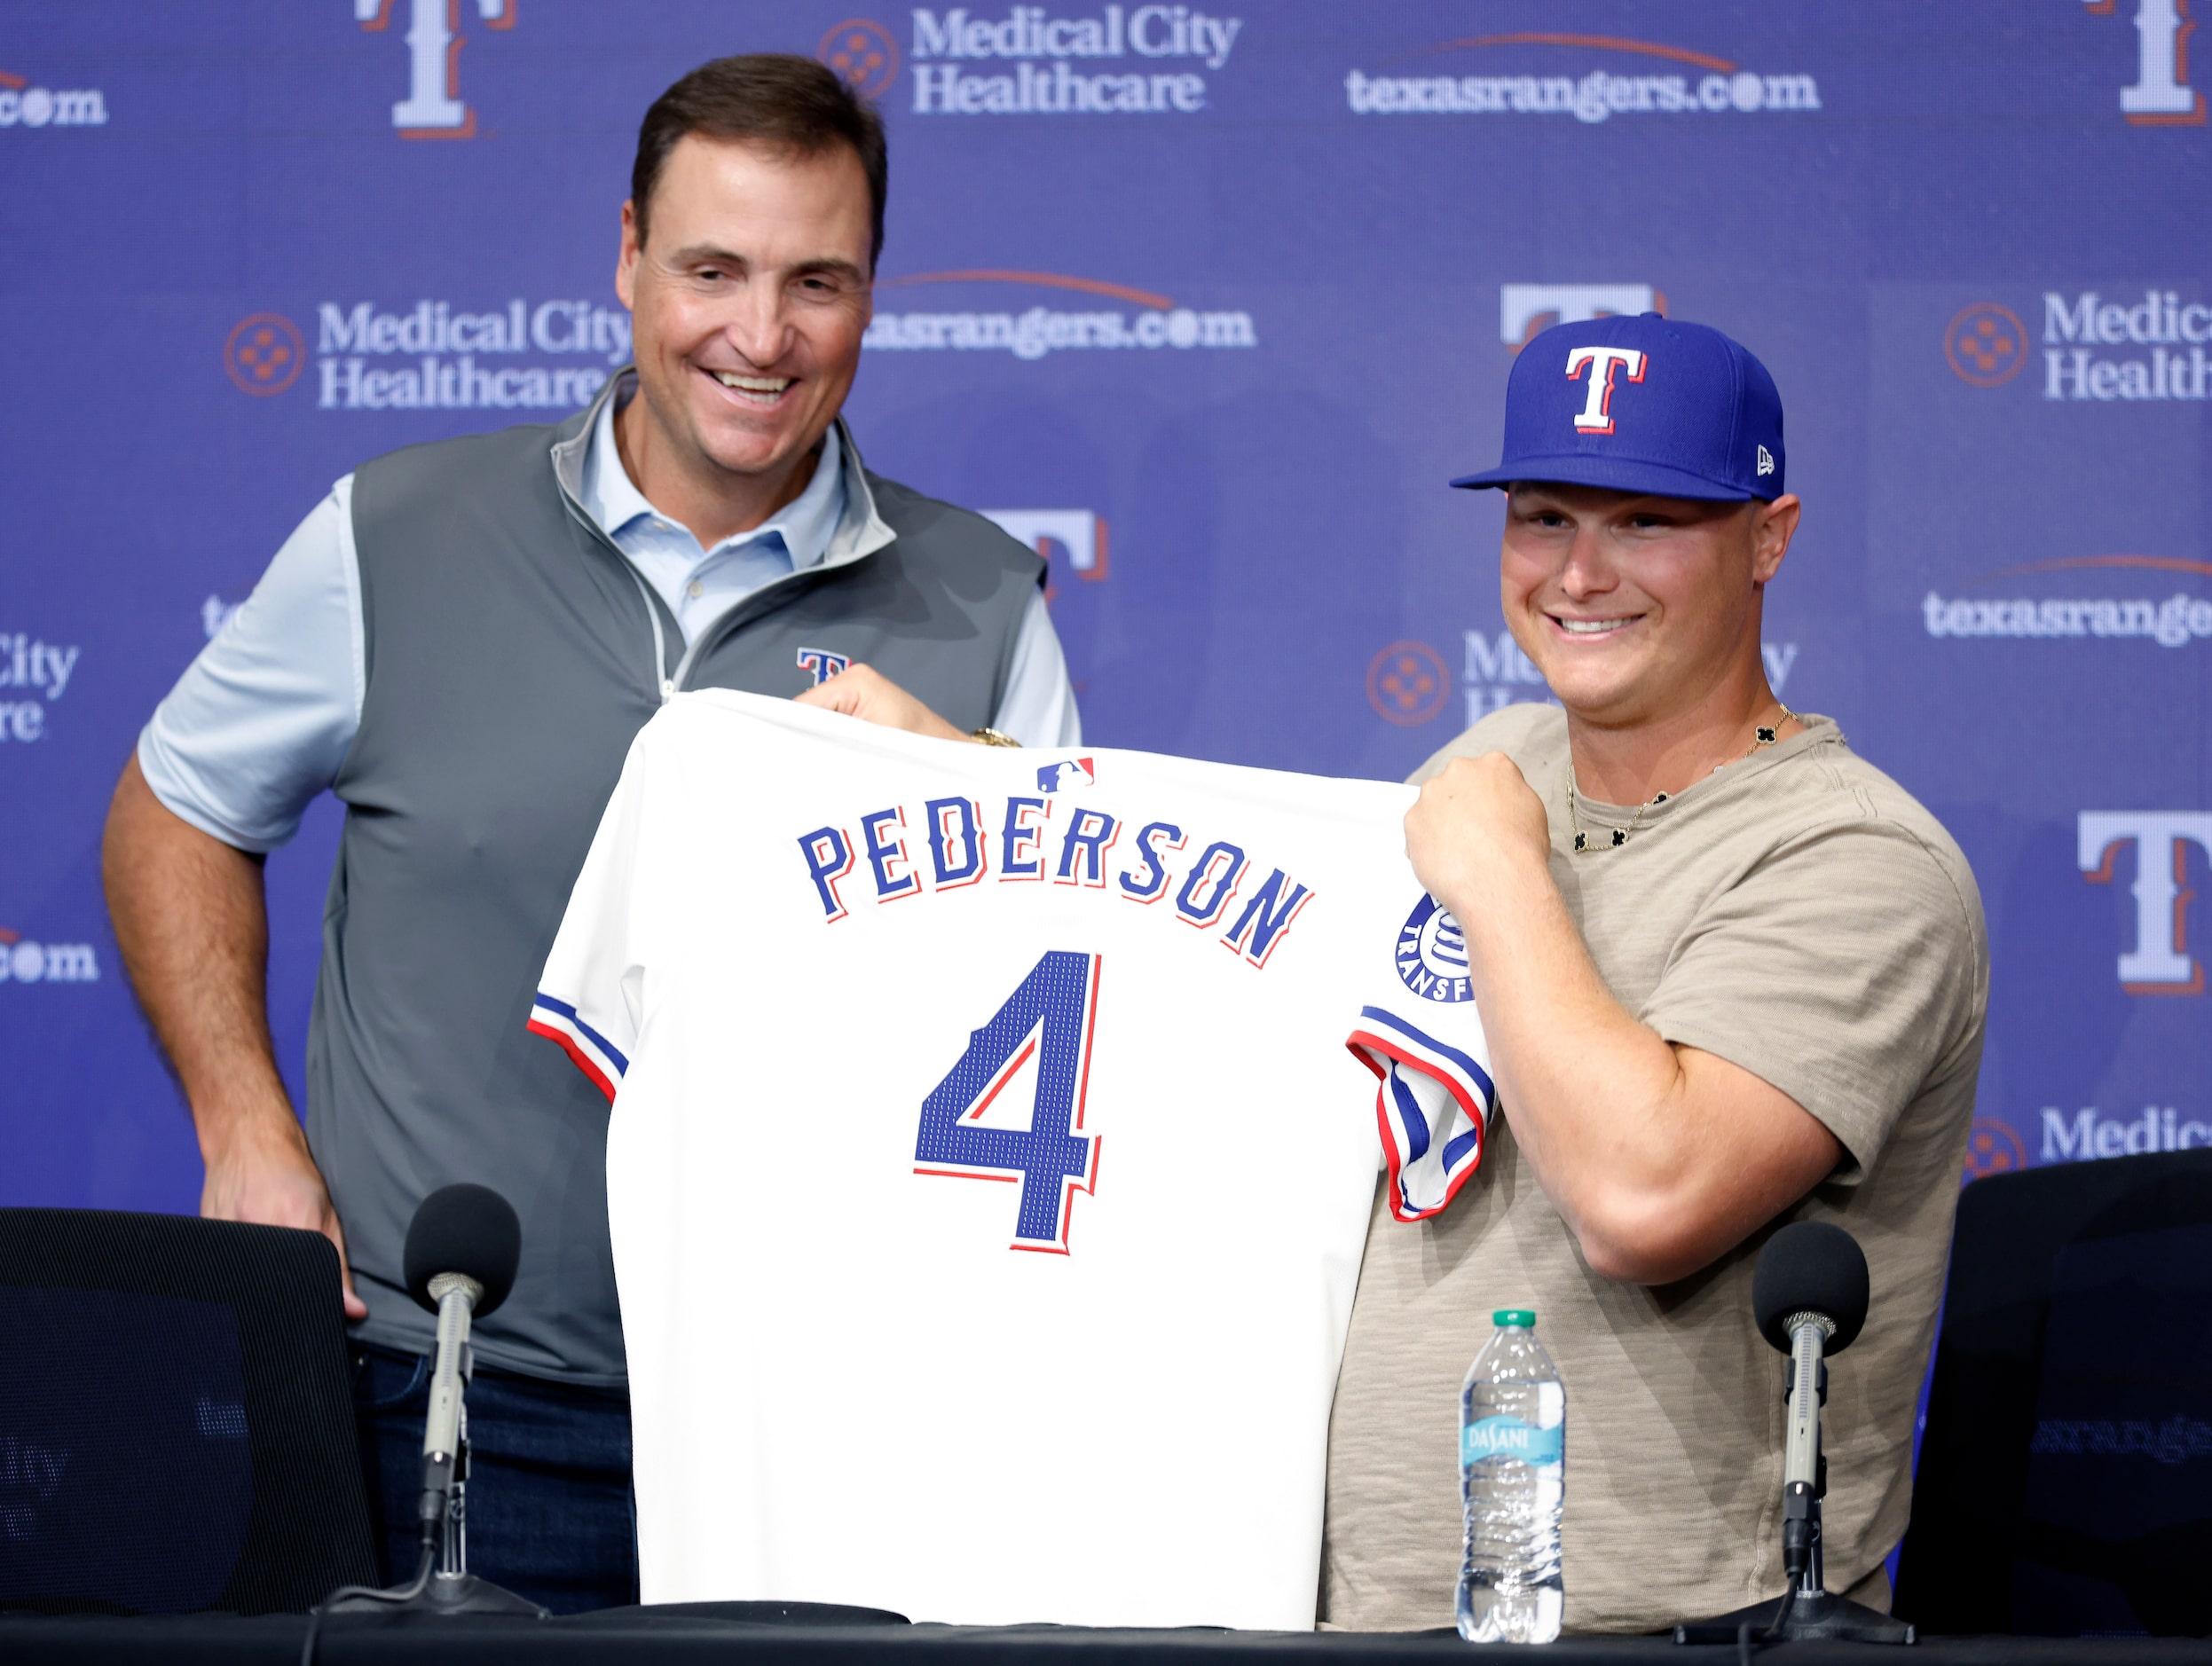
(460, 641)
(1731, 974)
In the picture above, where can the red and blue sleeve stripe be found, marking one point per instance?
(1433, 1103)
(591, 1052)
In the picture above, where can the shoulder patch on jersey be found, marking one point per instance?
(1431, 953)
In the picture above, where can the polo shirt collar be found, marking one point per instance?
(807, 523)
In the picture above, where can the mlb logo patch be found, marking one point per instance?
(1065, 776)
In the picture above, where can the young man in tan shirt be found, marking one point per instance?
(1732, 976)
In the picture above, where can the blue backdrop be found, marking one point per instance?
(1209, 305)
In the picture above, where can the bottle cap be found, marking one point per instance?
(1523, 1316)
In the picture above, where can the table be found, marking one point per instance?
(645, 1637)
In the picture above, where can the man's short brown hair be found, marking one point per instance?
(771, 98)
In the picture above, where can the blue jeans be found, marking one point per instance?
(550, 1513)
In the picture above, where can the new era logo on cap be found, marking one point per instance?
(1644, 405)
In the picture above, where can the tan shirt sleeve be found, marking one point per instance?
(1842, 969)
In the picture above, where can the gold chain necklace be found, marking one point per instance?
(1763, 735)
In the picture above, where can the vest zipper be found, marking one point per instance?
(712, 635)
(666, 683)
(728, 620)
(669, 686)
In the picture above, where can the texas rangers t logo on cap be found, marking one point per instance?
(1596, 415)
(1708, 427)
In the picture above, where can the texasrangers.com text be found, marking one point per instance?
(1034, 334)
(1595, 97)
(2172, 623)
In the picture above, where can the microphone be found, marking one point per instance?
(462, 1248)
(1809, 1295)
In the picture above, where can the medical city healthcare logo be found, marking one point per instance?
(1992, 1147)
(265, 353)
(1118, 60)
(1406, 683)
(2096, 348)
(2076, 326)
(433, 107)
(435, 355)
(863, 54)
(33, 675)
(1591, 94)
(23, 104)
(1986, 343)
(2089, 1134)
(1157, 322)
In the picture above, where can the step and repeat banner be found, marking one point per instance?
(1207, 302)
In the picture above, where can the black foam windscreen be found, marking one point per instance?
(1811, 1267)
(471, 1230)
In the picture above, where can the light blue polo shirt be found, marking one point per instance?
(262, 720)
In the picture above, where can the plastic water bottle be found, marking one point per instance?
(1513, 1431)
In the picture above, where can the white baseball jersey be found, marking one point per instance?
(988, 1173)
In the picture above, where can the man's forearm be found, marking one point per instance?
(1594, 1097)
(1659, 1158)
(192, 920)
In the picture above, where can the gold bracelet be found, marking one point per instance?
(992, 737)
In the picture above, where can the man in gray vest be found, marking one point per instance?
(460, 641)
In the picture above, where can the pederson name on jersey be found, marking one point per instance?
(951, 844)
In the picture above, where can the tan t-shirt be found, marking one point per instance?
(1800, 916)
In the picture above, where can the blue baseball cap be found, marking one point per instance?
(1648, 403)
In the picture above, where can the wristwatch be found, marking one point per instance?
(992, 737)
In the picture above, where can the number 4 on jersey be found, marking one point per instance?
(1050, 1017)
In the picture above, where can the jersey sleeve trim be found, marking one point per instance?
(590, 1051)
(1432, 1106)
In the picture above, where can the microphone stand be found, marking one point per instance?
(1806, 1609)
(442, 1582)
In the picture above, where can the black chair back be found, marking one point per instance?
(176, 1417)
(2064, 1484)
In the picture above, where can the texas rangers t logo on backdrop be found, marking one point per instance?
(2161, 95)
(822, 663)
(2161, 963)
(1523, 309)
(1596, 415)
(433, 107)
